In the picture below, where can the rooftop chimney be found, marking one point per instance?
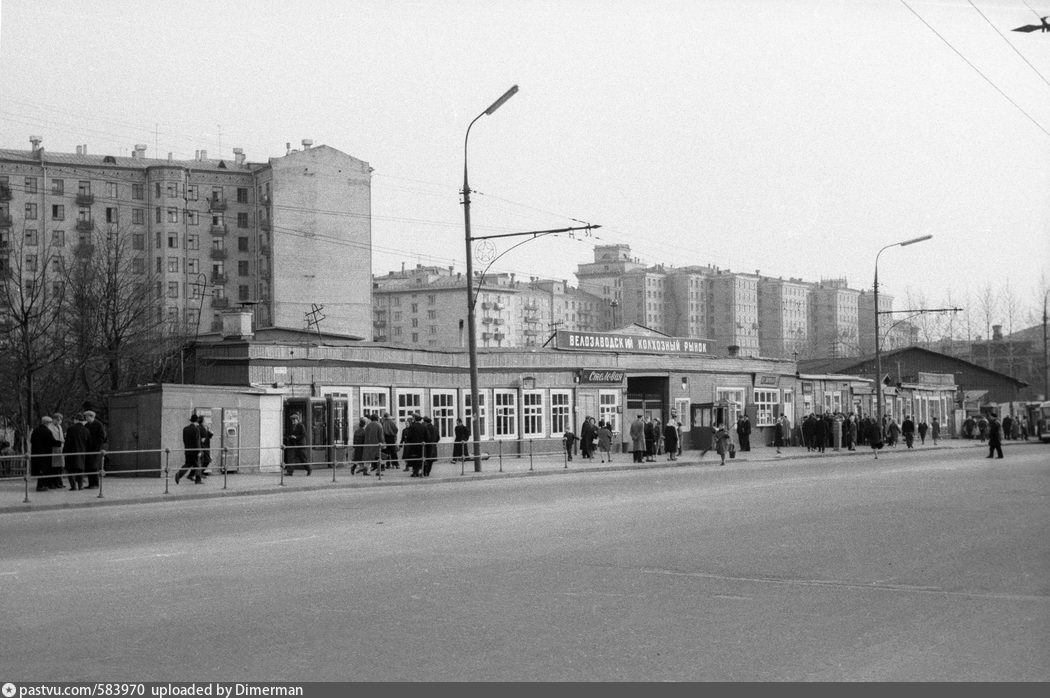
(734, 349)
(238, 155)
(204, 155)
(287, 148)
(997, 333)
(80, 150)
(307, 143)
(140, 150)
(35, 140)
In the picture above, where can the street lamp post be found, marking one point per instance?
(472, 340)
(878, 350)
(1046, 354)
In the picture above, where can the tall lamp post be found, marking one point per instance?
(1046, 354)
(878, 350)
(472, 340)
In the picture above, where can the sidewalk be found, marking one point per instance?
(122, 489)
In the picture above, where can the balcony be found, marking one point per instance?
(486, 320)
(85, 199)
(218, 278)
(5, 220)
(266, 225)
(218, 229)
(486, 335)
(531, 331)
(379, 323)
(218, 253)
(5, 192)
(499, 336)
(220, 303)
(216, 204)
(85, 226)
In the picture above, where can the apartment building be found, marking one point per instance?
(783, 317)
(206, 234)
(834, 319)
(426, 306)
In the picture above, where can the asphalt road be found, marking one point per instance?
(930, 567)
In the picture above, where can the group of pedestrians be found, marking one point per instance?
(649, 439)
(73, 449)
(593, 436)
(1010, 428)
(376, 444)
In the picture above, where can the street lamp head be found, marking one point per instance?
(499, 102)
(914, 240)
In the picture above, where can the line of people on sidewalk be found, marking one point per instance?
(376, 444)
(72, 449)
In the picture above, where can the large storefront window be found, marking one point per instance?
(443, 412)
(532, 413)
(561, 411)
(505, 404)
(374, 400)
(609, 408)
(468, 415)
(735, 398)
(766, 402)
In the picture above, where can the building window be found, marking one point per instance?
(58, 212)
(173, 264)
(30, 185)
(173, 289)
(31, 260)
(30, 212)
(58, 238)
(173, 189)
(767, 403)
(173, 215)
(374, 401)
(242, 268)
(415, 322)
(156, 189)
(192, 266)
(193, 241)
(468, 415)
(173, 241)
(506, 413)
(191, 192)
(138, 265)
(532, 413)
(443, 412)
(242, 292)
(415, 337)
(408, 402)
(159, 214)
(138, 192)
(242, 244)
(111, 190)
(58, 187)
(31, 238)
(111, 214)
(609, 408)
(138, 216)
(242, 219)
(242, 195)
(432, 315)
(193, 218)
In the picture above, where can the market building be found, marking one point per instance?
(247, 383)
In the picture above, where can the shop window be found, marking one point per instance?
(505, 416)
(532, 413)
(767, 404)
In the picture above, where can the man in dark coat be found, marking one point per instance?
(413, 438)
(430, 451)
(586, 437)
(96, 437)
(42, 442)
(75, 449)
(908, 430)
(295, 441)
(671, 439)
(461, 447)
(390, 438)
(995, 437)
(191, 447)
(743, 432)
(373, 436)
(649, 432)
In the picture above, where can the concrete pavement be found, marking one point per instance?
(19, 495)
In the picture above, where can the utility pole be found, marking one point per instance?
(314, 317)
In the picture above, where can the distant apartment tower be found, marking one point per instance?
(206, 233)
(688, 301)
(833, 320)
(783, 317)
(603, 278)
(733, 311)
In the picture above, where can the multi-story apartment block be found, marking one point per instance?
(426, 306)
(866, 321)
(687, 306)
(206, 233)
(603, 278)
(783, 317)
(833, 319)
(733, 310)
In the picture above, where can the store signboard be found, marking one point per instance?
(631, 343)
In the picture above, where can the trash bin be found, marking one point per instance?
(836, 433)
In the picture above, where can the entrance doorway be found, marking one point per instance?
(646, 396)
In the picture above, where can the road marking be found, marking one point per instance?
(286, 540)
(846, 584)
(152, 556)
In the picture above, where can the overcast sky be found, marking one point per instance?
(793, 137)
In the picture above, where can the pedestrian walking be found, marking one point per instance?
(461, 441)
(923, 428)
(908, 430)
(296, 446)
(56, 453)
(390, 438)
(568, 440)
(779, 432)
(875, 438)
(206, 435)
(430, 453)
(995, 437)
(191, 448)
(587, 435)
(96, 437)
(75, 451)
(721, 442)
(605, 441)
(413, 438)
(935, 430)
(372, 453)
